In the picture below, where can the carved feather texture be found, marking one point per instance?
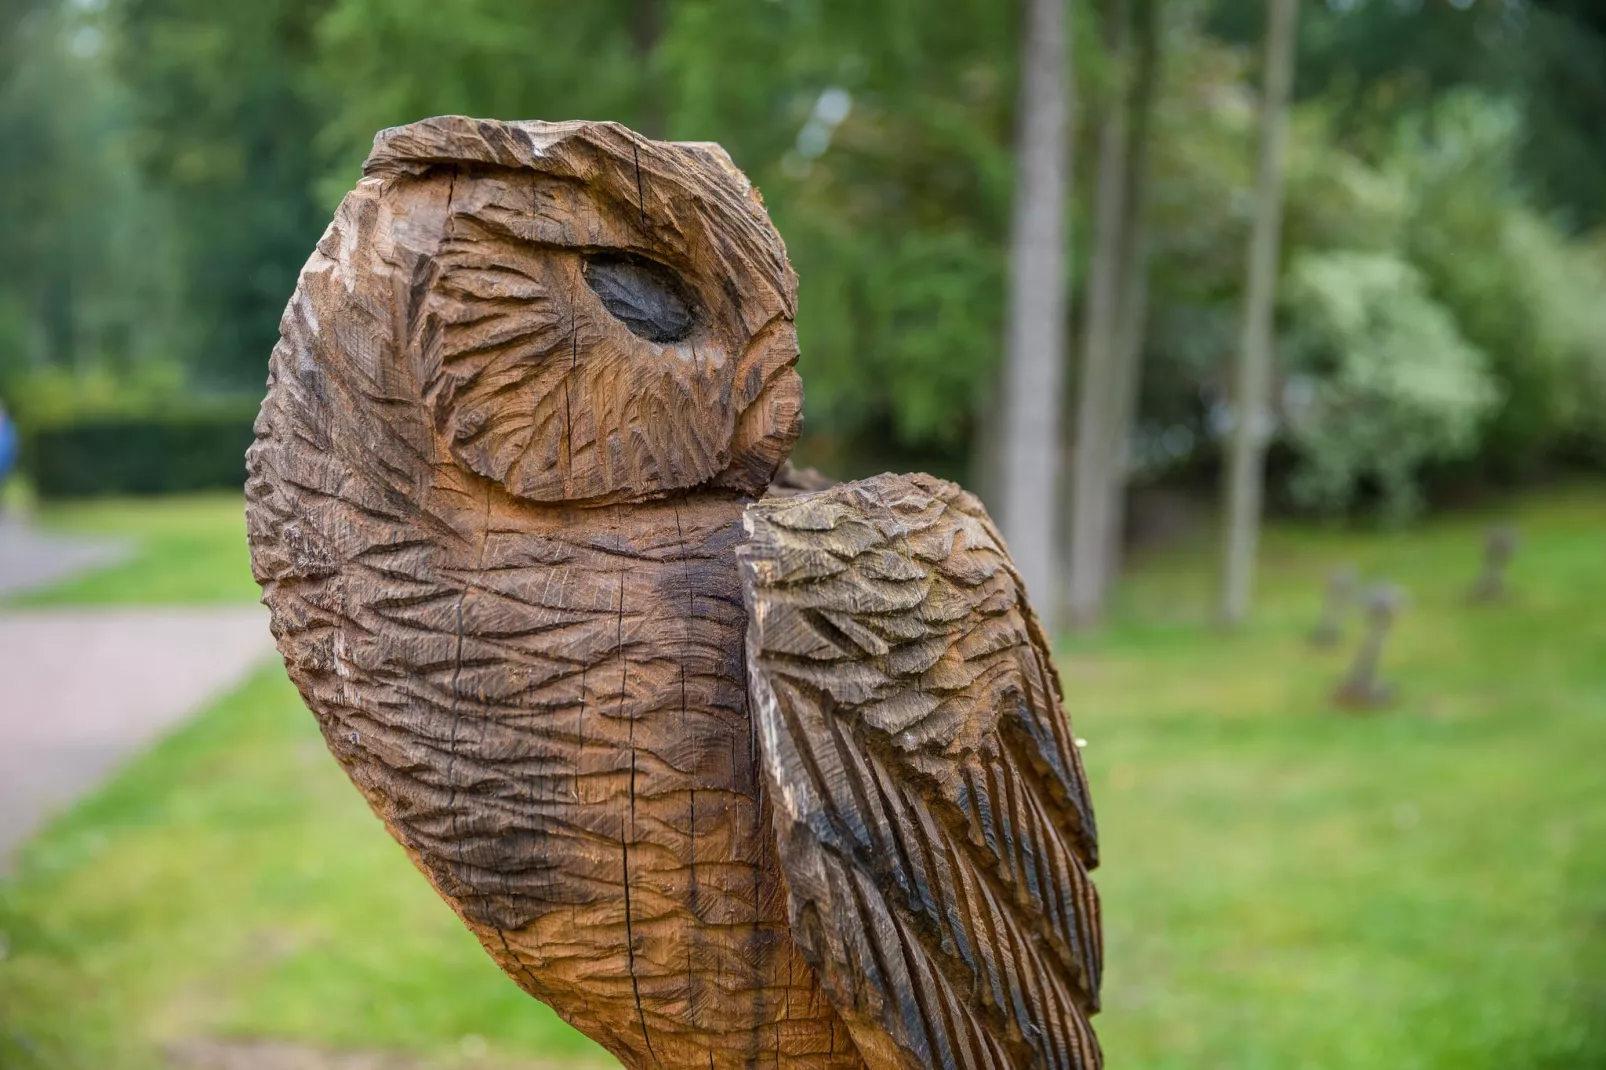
(932, 813)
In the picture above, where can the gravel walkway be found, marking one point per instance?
(82, 690)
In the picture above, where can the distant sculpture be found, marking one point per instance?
(1498, 548)
(1340, 597)
(791, 480)
(728, 782)
(1362, 689)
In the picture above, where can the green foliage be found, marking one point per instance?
(87, 281)
(225, 121)
(157, 453)
(171, 162)
(1520, 291)
(1431, 198)
(1387, 60)
(895, 217)
(382, 63)
(52, 395)
(1386, 385)
(1563, 154)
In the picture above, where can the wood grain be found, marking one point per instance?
(528, 383)
(932, 812)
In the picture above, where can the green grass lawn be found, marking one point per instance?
(189, 549)
(1285, 886)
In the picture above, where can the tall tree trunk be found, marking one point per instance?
(1092, 456)
(1034, 352)
(647, 23)
(1252, 379)
(1133, 319)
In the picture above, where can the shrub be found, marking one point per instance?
(1383, 383)
(1520, 290)
(156, 453)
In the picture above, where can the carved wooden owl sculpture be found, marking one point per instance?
(728, 782)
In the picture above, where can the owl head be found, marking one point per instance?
(569, 310)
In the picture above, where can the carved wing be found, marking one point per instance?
(931, 809)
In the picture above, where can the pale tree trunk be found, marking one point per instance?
(1034, 355)
(1251, 427)
(1133, 319)
(1092, 455)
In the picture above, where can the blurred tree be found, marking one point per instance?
(1093, 452)
(894, 191)
(1564, 114)
(1358, 413)
(1252, 379)
(1389, 59)
(1034, 352)
(224, 125)
(1115, 308)
(88, 288)
(1132, 320)
(1516, 286)
(1460, 138)
(382, 63)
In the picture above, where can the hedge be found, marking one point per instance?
(159, 453)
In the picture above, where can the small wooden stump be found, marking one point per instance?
(1498, 549)
(1361, 689)
(1341, 584)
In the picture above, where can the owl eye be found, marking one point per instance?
(645, 296)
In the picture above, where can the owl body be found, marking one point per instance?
(578, 673)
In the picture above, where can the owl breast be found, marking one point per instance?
(548, 708)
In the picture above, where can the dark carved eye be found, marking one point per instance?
(645, 296)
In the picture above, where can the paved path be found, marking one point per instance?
(82, 690)
(31, 558)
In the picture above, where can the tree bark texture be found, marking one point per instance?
(1093, 455)
(1034, 352)
(1134, 304)
(1251, 426)
(930, 799)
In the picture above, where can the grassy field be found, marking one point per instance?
(190, 550)
(1285, 886)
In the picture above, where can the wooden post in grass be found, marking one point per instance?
(1498, 549)
(1361, 689)
(1340, 597)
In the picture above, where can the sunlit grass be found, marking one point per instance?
(1285, 886)
(189, 549)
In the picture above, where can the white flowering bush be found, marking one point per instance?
(1381, 383)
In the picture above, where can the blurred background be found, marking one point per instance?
(1354, 812)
